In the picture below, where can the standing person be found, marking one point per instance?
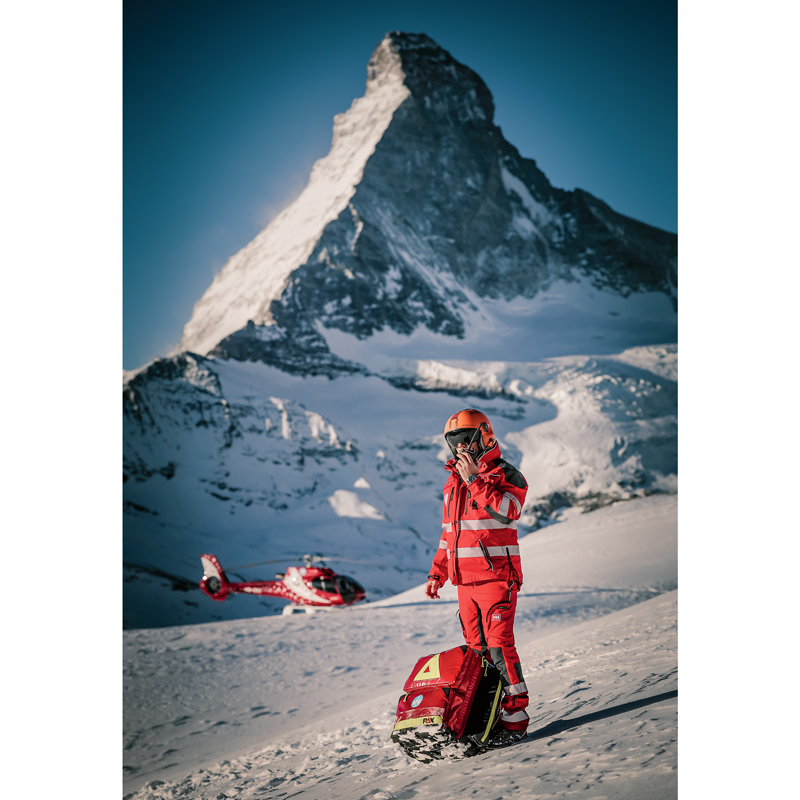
(479, 553)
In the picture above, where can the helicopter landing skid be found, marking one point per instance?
(296, 609)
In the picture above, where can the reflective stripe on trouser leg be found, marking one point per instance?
(515, 695)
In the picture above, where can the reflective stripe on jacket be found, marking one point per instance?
(479, 524)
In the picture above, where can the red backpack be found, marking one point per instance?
(450, 705)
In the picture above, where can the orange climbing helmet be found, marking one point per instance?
(467, 426)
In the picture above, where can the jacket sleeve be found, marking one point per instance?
(439, 566)
(500, 491)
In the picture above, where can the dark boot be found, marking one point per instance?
(503, 737)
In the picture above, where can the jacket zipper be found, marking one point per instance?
(457, 522)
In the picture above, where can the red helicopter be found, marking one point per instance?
(308, 587)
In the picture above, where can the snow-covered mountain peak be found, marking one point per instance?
(258, 274)
(419, 215)
(385, 61)
(434, 78)
(404, 54)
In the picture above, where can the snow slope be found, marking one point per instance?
(302, 706)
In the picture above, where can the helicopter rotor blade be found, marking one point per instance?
(259, 563)
(309, 559)
(363, 563)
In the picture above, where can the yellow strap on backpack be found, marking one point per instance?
(493, 716)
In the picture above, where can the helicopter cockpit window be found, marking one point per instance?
(348, 588)
(323, 584)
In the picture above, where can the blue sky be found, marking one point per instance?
(227, 106)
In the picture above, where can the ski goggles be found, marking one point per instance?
(465, 436)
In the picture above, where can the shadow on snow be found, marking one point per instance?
(559, 726)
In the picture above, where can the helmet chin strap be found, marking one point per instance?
(484, 448)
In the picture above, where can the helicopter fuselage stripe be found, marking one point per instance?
(296, 584)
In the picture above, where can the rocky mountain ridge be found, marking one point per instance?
(420, 211)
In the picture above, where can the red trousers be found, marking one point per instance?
(487, 618)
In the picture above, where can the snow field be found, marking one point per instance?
(303, 706)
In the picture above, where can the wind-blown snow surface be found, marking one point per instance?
(303, 706)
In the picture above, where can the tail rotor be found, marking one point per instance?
(214, 583)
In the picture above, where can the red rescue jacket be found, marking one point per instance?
(479, 524)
